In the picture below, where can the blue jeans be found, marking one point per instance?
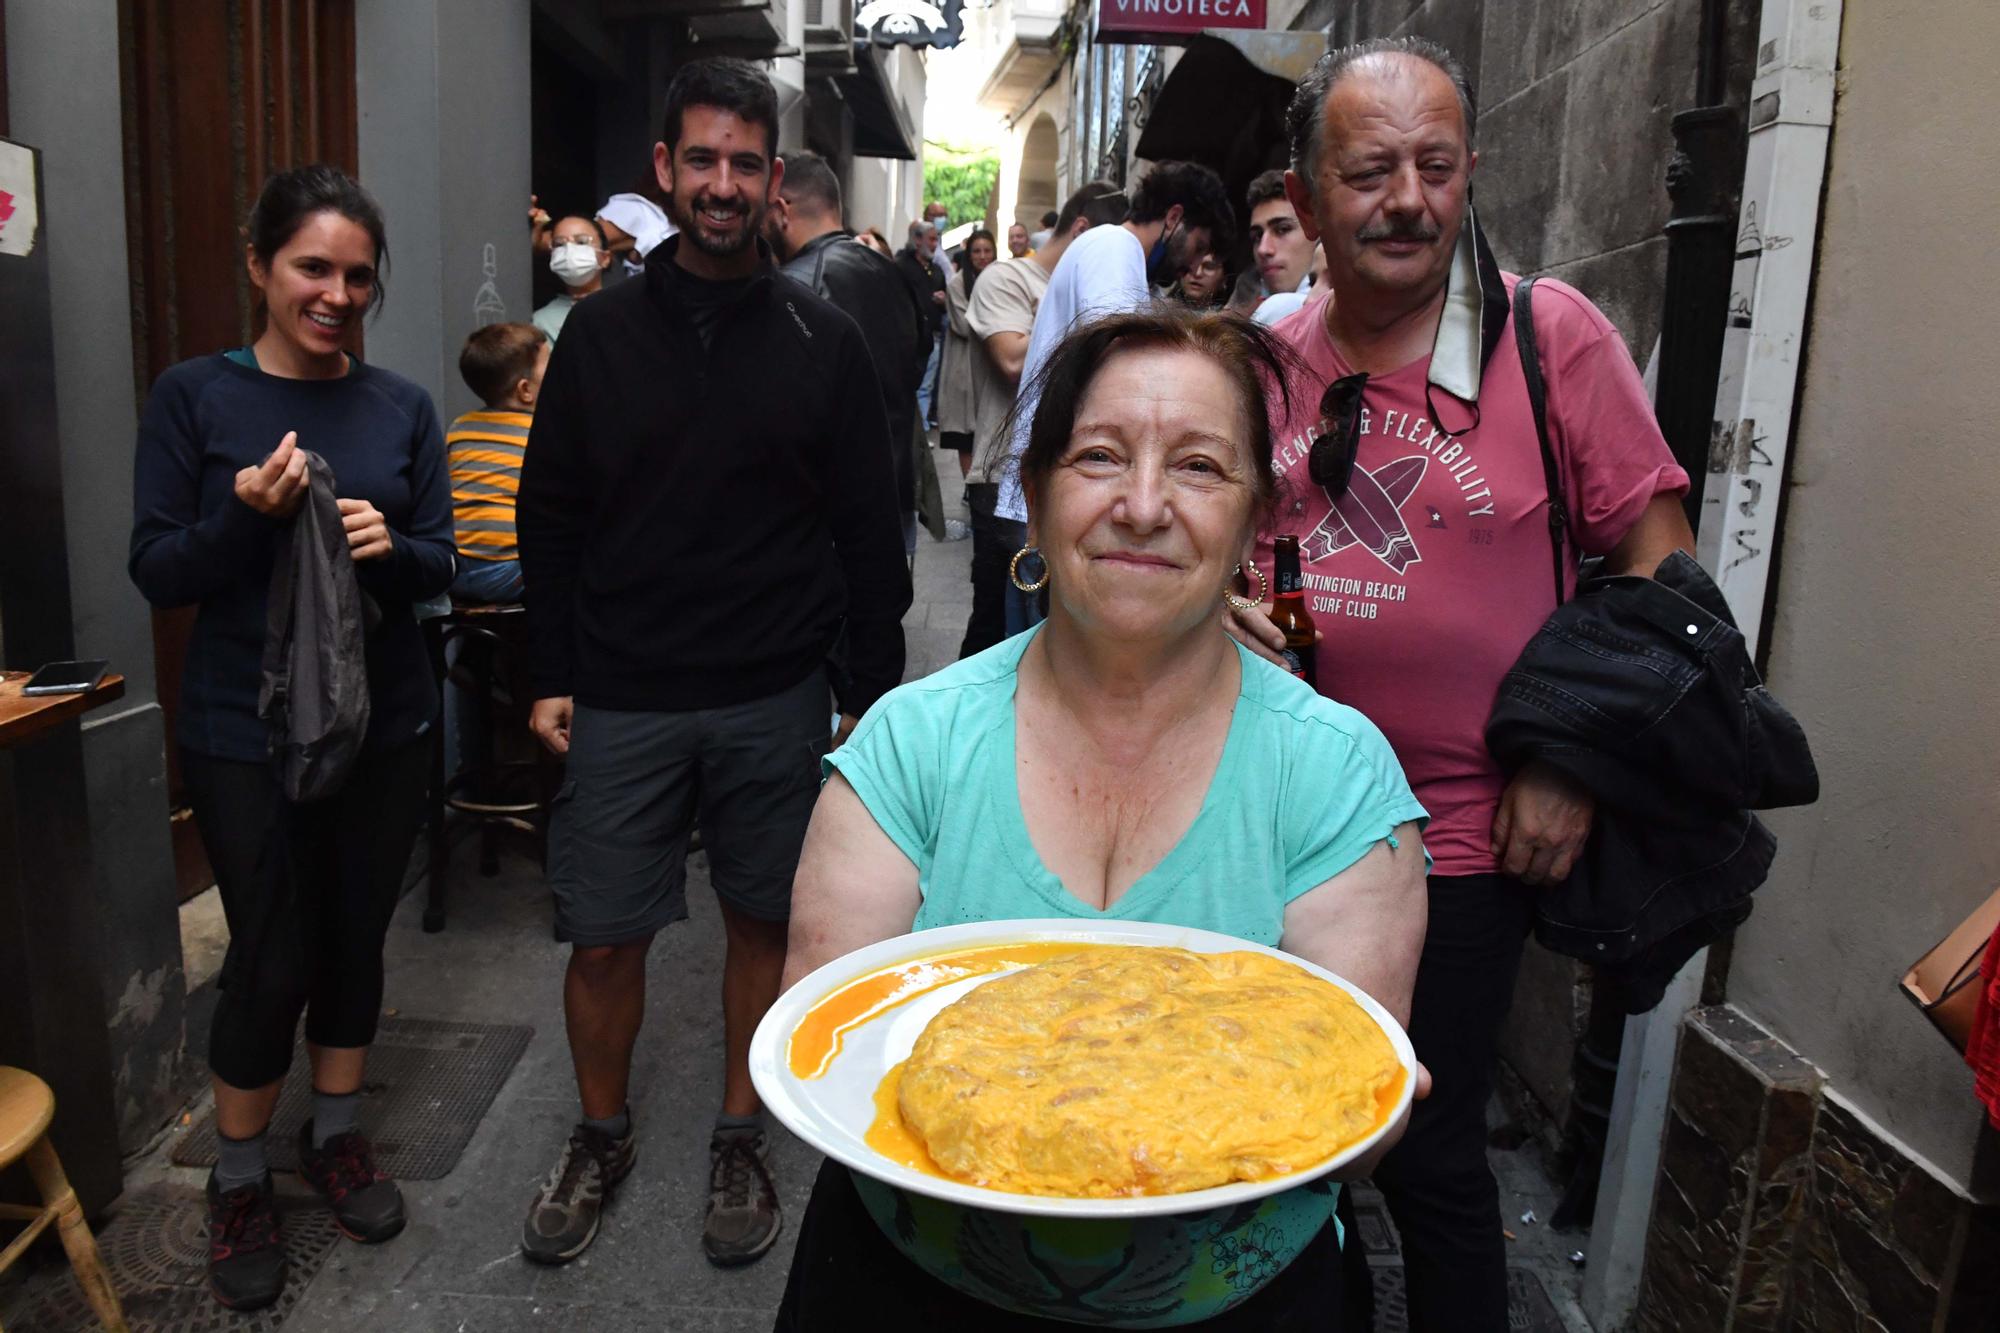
(927, 391)
(489, 583)
(492, 582)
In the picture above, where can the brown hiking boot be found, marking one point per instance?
(743, 1218)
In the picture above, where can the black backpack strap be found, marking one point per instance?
(1538, 398)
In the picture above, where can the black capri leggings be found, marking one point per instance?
(308, 891)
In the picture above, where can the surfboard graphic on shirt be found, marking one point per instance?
(1371, 513)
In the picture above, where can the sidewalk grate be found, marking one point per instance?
(429, 1084)
(1529, 1309)
(156, 1250)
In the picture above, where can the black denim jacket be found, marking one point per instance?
(1642, 690)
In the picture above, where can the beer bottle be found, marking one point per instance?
(1289, 613)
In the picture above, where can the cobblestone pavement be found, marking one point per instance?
(457, 1266)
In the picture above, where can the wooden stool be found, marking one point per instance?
(26, 1108)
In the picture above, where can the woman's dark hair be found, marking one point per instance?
(1258, 364)
(289, 198)
(727, 84)
(968, 272)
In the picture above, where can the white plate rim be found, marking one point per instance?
(784, 1092)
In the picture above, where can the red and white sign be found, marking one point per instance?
(1177, 16)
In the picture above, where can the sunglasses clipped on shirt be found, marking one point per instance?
(1330, 461)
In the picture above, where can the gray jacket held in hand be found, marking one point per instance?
(315, 689)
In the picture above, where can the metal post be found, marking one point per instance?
(1702, 179)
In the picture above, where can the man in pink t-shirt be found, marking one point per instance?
(1428, 567)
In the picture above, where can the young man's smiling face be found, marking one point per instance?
(720, 180)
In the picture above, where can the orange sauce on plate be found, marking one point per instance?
(818, 1037)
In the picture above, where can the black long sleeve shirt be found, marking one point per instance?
(707, 525)
(194, 542)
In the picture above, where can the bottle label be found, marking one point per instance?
(1294, 663)
(1289, 581)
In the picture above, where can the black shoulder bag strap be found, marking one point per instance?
(1538, 399)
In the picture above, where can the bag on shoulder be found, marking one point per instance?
(1944, 983)
(314, 695)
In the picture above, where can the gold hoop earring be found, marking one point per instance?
(1249, 603)
(1014, 569)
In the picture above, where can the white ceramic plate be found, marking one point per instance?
(833, 1112)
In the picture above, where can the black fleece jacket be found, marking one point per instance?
(700, 527)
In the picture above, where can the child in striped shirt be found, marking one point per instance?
(503, 364)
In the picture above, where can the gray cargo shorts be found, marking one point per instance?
(635, 784)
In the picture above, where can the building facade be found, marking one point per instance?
(156, 123)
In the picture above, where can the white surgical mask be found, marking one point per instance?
(575, 263)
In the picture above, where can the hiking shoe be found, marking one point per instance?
(743, 1218)
(246, 1248)
(366, 1204)
(563, 1219)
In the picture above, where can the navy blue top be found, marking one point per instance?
(194, 542)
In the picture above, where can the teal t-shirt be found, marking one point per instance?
(1304, 789)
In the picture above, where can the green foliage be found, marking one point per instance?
(962, 180)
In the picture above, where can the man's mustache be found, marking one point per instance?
(1399, 231)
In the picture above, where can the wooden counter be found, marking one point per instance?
(23, 716)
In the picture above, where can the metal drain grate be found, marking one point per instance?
(1529, 1309)
(429, 1084)
(156, 1249)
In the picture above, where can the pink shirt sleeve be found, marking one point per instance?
(1607, 441)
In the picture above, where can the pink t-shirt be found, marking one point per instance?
(1435, 571)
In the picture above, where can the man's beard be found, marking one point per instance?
(690, 222)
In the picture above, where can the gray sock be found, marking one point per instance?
(738, 1124)
(239, 1162)
(615, 1126)
(334, 1113)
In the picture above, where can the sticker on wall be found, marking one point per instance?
(18, 218)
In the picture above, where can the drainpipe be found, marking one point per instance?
(1702, 179)
(1790, 123)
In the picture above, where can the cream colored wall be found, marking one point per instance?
(1886, 634)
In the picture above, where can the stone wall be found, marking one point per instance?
(1781, 1207)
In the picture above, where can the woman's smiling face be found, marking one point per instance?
(318, 285)
(1149, 507)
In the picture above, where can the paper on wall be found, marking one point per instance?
(18, 220)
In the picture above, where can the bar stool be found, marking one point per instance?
(26, 1108)
(492, 642)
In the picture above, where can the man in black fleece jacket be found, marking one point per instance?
(709, 537)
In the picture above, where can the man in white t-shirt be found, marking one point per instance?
(1002, 317)
(633, 225)
(1179, 211)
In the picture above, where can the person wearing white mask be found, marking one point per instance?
(578, 256)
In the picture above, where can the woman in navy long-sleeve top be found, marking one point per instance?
(308, 889)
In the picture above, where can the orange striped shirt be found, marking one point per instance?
(485, 450)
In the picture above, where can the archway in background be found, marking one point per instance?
(1035, 192)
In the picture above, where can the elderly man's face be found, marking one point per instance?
(1393, 174)
(1017, 240)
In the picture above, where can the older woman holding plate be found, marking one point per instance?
(1125, 761)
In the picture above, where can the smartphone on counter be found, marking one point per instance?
(67, 677)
